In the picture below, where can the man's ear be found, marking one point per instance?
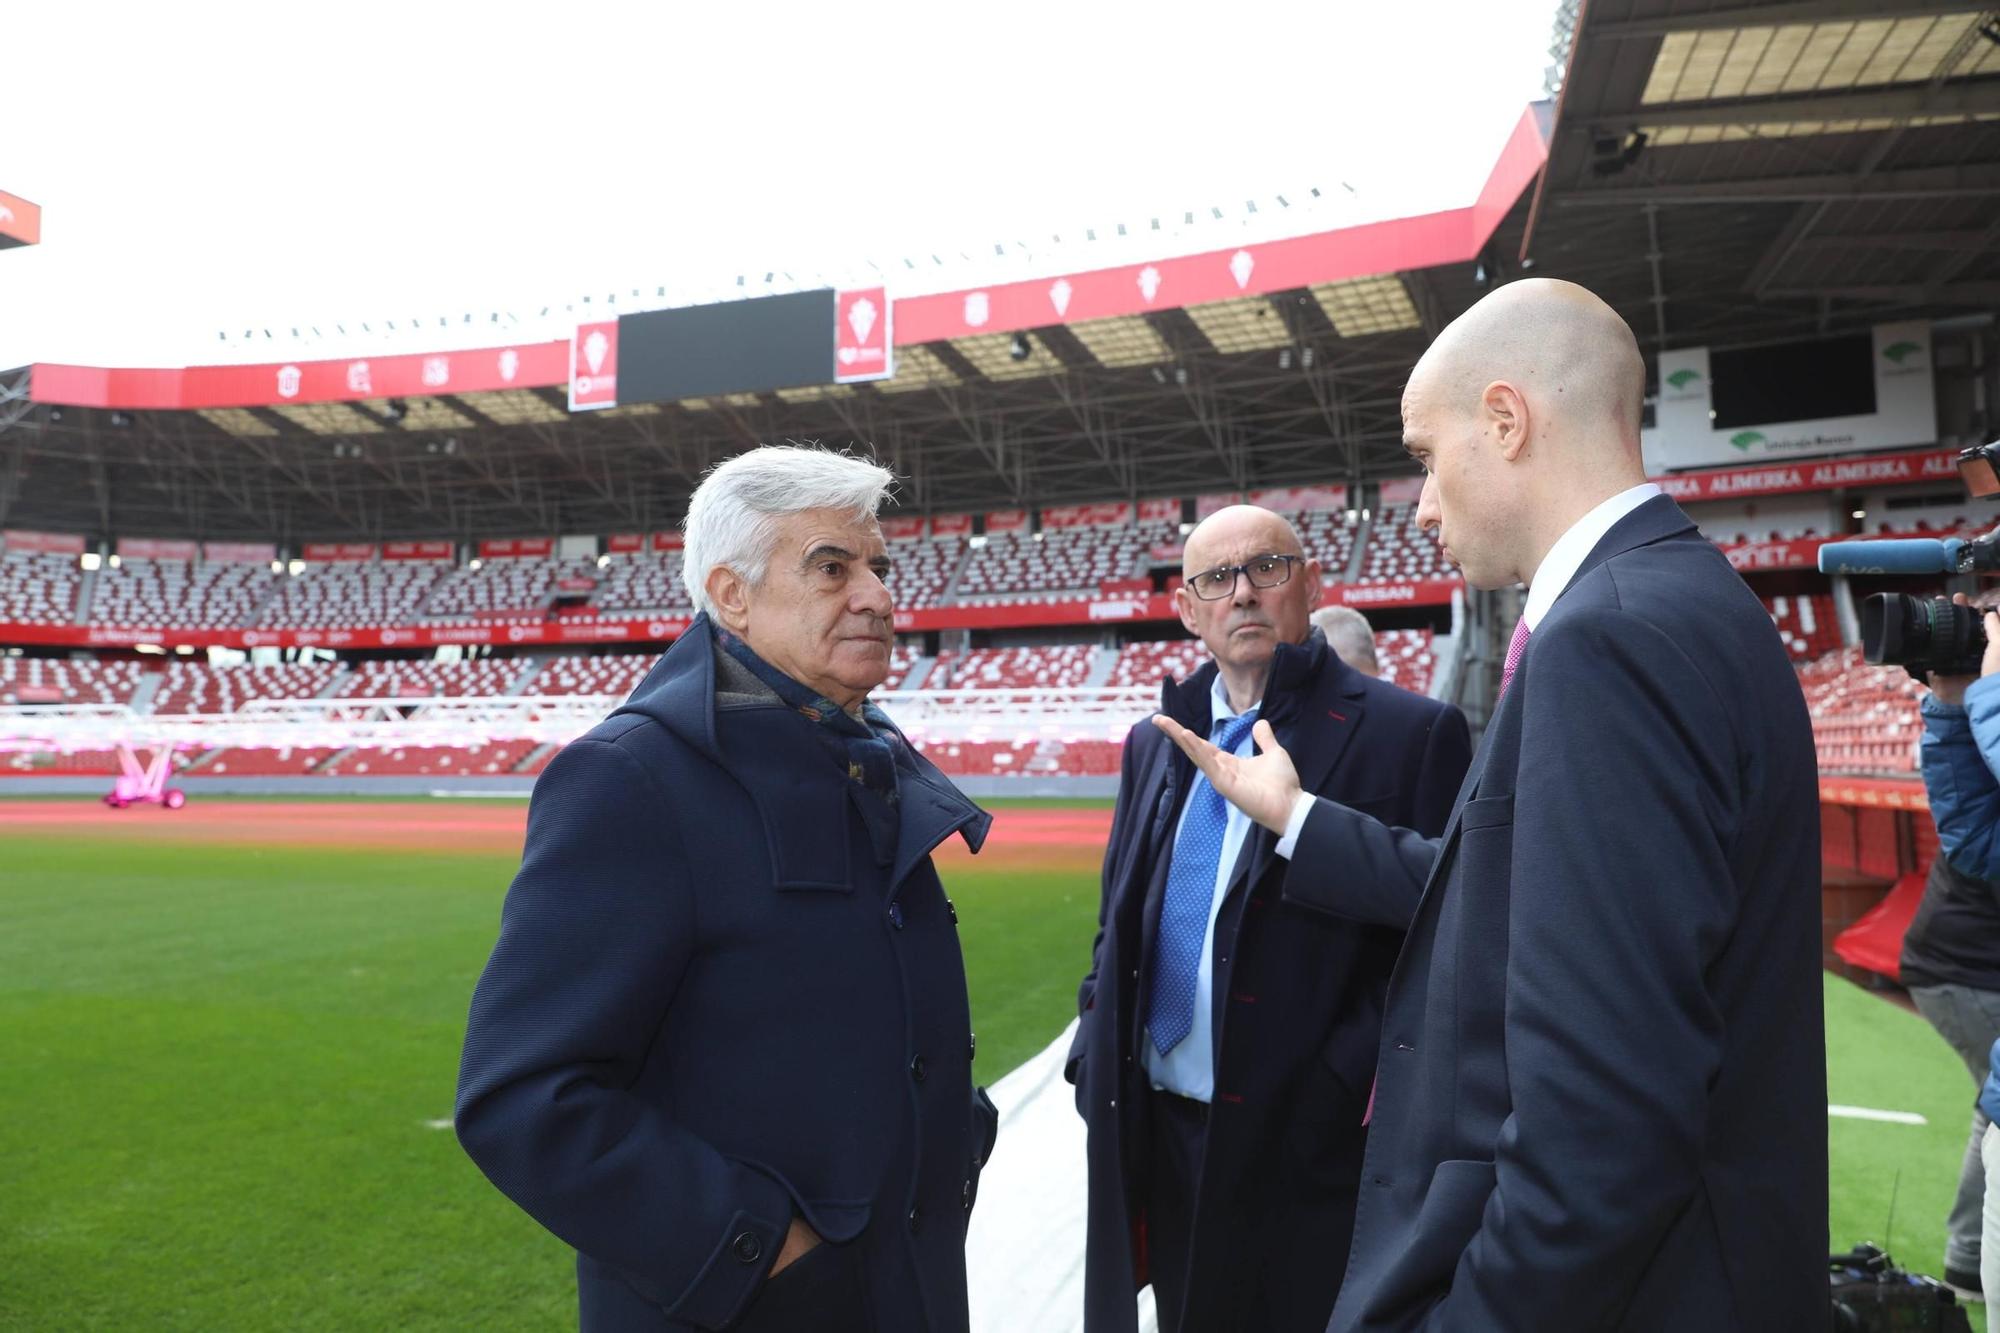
(729, 593)
(1313, 573)
(1507, 412)
(1184, 604)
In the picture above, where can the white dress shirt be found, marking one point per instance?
(1552, 577)
(1189, 1068)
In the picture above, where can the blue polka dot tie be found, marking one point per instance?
(1190, 895)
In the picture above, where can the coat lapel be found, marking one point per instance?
(930, 810)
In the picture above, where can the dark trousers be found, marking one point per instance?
(1180, 1131)
(1297, 1243)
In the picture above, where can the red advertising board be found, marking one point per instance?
(951, 525)
(153, 548)
(1823, 475)
(668, 541)
(593, 366)
(337, 551)
(1133, 606)
(1108, 515)
(1300, 499)
(1423, 592)
(507, 547)
(1159, 511)
(861, 336)
(903, 528)
(47, 543)
(1007, 520)
(474, 370)
(239, 553)
(417, 551)
(20, 221)
(625, 543)
(1801, 553)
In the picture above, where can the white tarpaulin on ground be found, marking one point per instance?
(1024, 1255)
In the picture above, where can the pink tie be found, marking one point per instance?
(1515, 648)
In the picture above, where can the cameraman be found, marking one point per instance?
(1951, 954)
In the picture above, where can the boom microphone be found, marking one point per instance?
(1909, 555)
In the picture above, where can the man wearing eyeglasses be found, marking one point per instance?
(1227, 1043)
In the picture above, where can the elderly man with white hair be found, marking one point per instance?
(723, 1047)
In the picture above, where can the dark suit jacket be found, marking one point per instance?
(1603, 1091)
(1296, 1008)
(717, 1002)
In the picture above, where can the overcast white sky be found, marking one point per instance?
(205, 166)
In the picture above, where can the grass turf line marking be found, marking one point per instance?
(438, 1124)
(1868, 1113)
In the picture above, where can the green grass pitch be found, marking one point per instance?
(219, 1068)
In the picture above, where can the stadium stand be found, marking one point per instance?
(1328, 536)
(197, 687)
(981, 758)
(157, 594)
(1396, 551)
(1406, 658)
(611, 673)
(1150, 662)
(1065, 667)
(646, 584)
(1018, 567)
(485, 676)
(353, 595)
(251, 763)
(923, 569)
(59, 680)
(1807, 624)
(1864, 718)
(38, 589)
(432, 761)
(518, 587)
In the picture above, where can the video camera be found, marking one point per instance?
(1925, 634)
(1871, 1295)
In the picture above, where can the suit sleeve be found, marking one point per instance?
(1354, 866)
(1122, 820)
(1621, 897)
(596, 933)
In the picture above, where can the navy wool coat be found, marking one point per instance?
(1297, 1004)
(1603, 1095)
(718, 1001)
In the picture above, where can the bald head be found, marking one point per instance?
(1525, 413)
(1234, 528)
(1570, 355)
(1269, 594)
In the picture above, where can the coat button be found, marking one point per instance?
(951, 907)
(972, 1045)
(968, 1196)
(916, 1220)
(896, 915)
(747, 1248)
(917, 1068)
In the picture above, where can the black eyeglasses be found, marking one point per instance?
(1265, 571)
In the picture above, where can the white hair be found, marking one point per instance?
(1349, 634)
(732, 513)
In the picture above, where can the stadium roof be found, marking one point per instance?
(1722, 172)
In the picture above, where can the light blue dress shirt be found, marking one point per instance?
(1189, 1068)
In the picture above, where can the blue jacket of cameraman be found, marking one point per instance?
(1960, 753)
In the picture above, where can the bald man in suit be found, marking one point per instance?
(1601, 1100)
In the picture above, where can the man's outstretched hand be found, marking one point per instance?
(1265, 787)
